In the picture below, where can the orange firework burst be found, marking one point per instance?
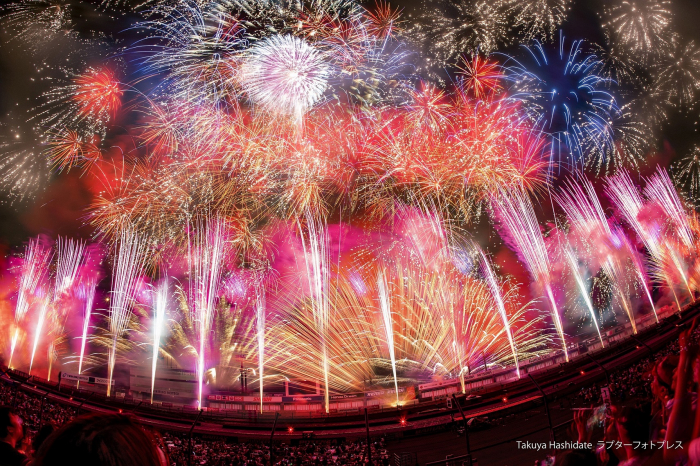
(384, 21)
(68, 149)
(481, 76)
(98, 94)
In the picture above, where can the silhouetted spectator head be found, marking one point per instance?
(41, 436)
(662, 385)
(11, 430)
(633, 425)
(100, 440)
(578, 457)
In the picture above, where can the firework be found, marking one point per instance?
(481, 76)
(574, 264)
(688, 174)
(318, 275)
(160, 302)
(678, 76)
(452, 28)
(642, 26)
(539, 18)
(630, 204)
(496, 293)
(522, 233)
(86, 293)
(260, 310)
(284, 74)
(588, 221)
(205, 262)
(23, 172)
(198, 50)
(88, 105)
(565, 95)
(129, 258)
(385, 306)
(44, 307)
(32, 271)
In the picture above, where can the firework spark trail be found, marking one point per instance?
(585, 212)
(492, 283)
(641, 273)
(317, 260)
(660, 189)
(36, 261)
(385, 306)
(260, 313)
(69, 259)
(86, 293)
(206, 251)
(129, 260)
(160, 303)
(70, 256)
(628, 200)
(44, 307)
(573, 263)
(515, 212)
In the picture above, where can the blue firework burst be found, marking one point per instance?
(564, 92)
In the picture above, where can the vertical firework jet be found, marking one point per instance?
(660, 189)
(86, 293)
(44, 305)
(160, 303)
(385, 306)
(129, 260)
(206, 251)
(70, 257)
(34, 267)
(585, 213)
(491, 281)
(573, 263)
(517, 216)
(318, 273)
(629, 203)
(260, 314)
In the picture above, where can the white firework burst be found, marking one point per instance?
(642, 26)
(539, 18)
(687, 175)
(285, 75)
(679, 76)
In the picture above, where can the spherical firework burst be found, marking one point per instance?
(679, 75)
(198, 51)
(452, 28)
(285, 74)
(688, 174)
(565, 96)
(642, 26)
(539, 18)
